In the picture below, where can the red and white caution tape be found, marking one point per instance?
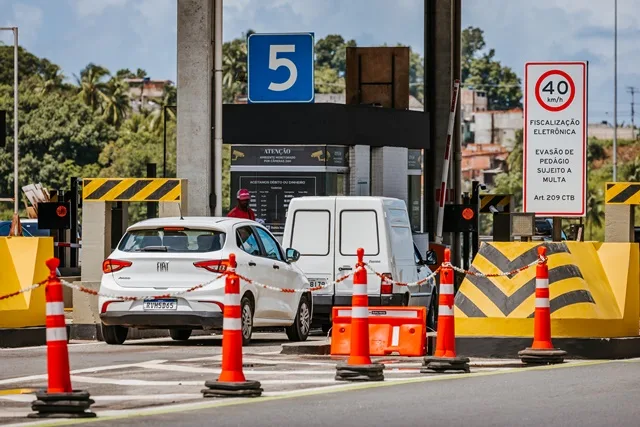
(22, 291)
(408, 284)
(540, 260)
(291, 290)
(134, 298)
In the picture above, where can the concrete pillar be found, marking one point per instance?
(359, 170)
(195, 65)
(619, 223)
(96, 239)
(389, 176)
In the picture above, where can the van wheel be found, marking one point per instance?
(299, 331)
(114, 335)
(246, 317)
(432, 315)
(180, 334)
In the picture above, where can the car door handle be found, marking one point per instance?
(344, 268)
(252, 264)
(276, 267)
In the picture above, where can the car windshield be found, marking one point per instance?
(172, 239)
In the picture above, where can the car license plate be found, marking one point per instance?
(318, 282)
(160, 304)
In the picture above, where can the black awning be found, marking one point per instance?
(332, 124)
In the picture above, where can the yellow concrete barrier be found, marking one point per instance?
(22, 263)
(594, 290)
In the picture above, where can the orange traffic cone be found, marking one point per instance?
(359, 366)
(59, 400)
(542, 351)
(231, 382)
(445, 358)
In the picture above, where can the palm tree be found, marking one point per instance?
(156, 118)
(50, 78)
(115, 102)
(595, 210)
(92, 86)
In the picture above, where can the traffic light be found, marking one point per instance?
(460, 218)
(54, 216)
(3, 128)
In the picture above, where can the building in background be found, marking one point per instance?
(145, 91)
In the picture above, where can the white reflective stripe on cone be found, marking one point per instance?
(542, 283)
(359, 312)
(359, 289)
(232, 324)
(54, 308)
(542, 302)
(445, 310)
(231, 299)
(56, 334)
(446, 289)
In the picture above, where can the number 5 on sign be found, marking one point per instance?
(280, 68)
(275, 63)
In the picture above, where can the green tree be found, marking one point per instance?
(595, 151)
(595, 209)
(510, 182)
(331, 51)
(234, 67)
(480, 70)
(92, 85)
(115, 101)
(59, 138)
(327, 80)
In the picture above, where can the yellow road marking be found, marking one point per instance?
(17, 391)
(142, 412)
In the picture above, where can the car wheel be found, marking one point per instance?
(246, 317)
(299, 331)
(180, 334)
(114, 334)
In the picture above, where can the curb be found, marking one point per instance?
(317, 348)
(24, 337)
(576, 348)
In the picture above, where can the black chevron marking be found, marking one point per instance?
(506, 304)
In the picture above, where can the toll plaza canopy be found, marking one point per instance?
(333, 124)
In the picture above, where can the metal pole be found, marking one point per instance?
(16, 198)
(615, 91)
(164, 142)
(217, 118)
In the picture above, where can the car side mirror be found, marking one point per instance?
(431, 258)
(292, 255)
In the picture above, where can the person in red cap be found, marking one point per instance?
(242, 210)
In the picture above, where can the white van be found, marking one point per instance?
(328, 230)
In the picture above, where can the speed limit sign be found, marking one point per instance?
(555, 138)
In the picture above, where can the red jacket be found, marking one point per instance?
(239, 213)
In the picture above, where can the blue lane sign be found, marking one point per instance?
(280, 68)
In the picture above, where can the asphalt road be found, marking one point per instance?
(581, 395)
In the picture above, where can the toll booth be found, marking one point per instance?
(276, 174)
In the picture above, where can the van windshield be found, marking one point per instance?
(172, 240)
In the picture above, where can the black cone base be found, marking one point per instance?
(373, 372)
(235, 389)
(62, 405)
(442, 364)
(533, 356)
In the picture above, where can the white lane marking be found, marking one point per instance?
(78, 371)
(181, 407)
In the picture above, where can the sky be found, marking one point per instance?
(142, 33)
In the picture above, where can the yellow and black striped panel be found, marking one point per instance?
(622, 193)
(502, 202)
(131, 189)
(506, 296)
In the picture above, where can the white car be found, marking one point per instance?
(164, 256)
